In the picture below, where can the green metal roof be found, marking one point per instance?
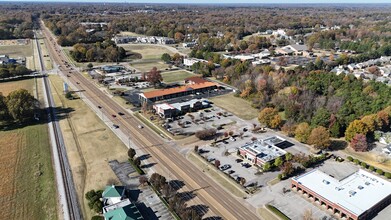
(129, 212)
(113, 191)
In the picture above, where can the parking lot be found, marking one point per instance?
(195, 121)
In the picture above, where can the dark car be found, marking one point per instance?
(120, 113)
(238, 160)
(225, 167)
(77, 83)
(99, 106)
(114, 116)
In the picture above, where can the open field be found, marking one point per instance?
(27, 190)
(90, 145)
(176, 76)
(236, 105)
(146, 67)
(15, 51)
(7, 87)
(148, 52)
(216, 175)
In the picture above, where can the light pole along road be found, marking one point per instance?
(68, 203)
(208, 191)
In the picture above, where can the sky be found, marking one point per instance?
(220, 1)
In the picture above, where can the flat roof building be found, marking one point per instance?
(260, 152)
(358, 196)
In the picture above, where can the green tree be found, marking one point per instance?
(319, 137)
(302, 132)
(278, 162)
(90, 65)
(3, 108)
(166, 58)
(20, 104)
(321, 118)
(266, 166)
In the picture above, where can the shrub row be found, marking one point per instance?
(369, 167)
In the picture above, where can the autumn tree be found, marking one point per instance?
(287, 168)
(370, 122)
(302, 132)
(356, 127)
(359, 143)
(154, 76)
(269, 117)
(319, 137)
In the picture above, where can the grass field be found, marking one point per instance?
(90, 146)
(7, 87)
(176, 76)
(27, 190)
(216, 175)
(148, 52)
(18, 50)
(145, 67)
(46, 59)
(236, 105)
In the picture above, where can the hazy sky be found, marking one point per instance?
(220, 1)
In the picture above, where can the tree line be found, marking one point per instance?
(13, 70)
(105, 51)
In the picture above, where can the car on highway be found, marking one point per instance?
(99, 106)
(140, 126)
(77, 83)
(114, 116)
(68, 76)
(115, 126)
(121, 113)
(225, 167)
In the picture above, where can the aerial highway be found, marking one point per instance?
(68, 202)
(208, 191)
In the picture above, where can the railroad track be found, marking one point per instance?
(70, 208)
(209, 192)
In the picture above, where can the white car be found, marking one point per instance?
(140, 126)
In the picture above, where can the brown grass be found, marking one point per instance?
(7, 87)
(236, 105)
(147, 51)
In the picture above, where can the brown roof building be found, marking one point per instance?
(163, 94)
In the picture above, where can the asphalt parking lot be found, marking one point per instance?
(196, 121)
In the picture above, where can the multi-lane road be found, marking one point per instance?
(208, 192)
